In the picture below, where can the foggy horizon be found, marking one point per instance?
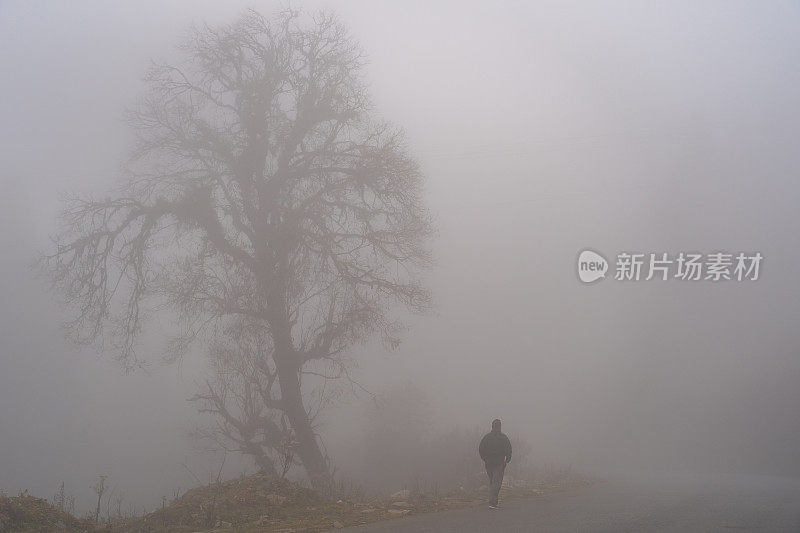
(541, 130)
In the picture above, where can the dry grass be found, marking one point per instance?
(26, 513)
(261, 503)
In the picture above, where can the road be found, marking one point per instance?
(644, 503)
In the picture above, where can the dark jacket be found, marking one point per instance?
(495, 448)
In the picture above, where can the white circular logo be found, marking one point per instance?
(591, 266)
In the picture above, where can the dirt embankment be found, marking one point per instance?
(261, 503)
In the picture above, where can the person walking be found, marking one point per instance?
(495, 451)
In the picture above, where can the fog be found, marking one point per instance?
(542, 130)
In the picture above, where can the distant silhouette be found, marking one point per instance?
(495, 450)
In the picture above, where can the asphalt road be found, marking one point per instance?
(663, 502)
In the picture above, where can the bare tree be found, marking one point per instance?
(99, 488)
(59, 500)
(263, 200)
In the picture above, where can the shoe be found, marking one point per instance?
(493, 507)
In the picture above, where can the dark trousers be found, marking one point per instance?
(495, 473)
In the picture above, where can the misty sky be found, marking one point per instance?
(542, 129)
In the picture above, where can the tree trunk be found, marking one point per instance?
(288, 369)
(308, 446)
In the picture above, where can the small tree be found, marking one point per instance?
(241, 395)
(262, 200)
(59, 500)
(99, 488)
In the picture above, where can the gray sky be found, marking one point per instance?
(543, 129)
